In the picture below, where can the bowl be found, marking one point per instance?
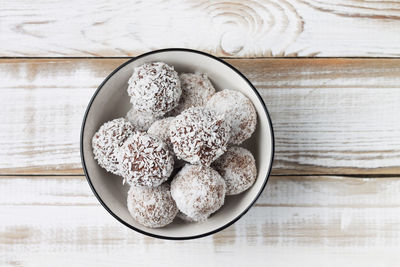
(111, 101)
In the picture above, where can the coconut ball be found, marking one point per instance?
(196, 91)
(160, 129)
(239, 111)
(238, 168)
(141, 120)
(199, 136)
(154, 87)
(145, 160)
(198, 191)
(107, 141)
(152, 206)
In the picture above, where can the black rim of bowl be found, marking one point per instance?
(185, 237)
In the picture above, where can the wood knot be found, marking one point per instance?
(232, 42)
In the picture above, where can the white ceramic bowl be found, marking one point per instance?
(112, 101)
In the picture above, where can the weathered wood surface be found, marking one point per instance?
(330, 115)
(56, 221)
(257, 28)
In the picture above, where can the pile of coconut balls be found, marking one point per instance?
(178, 148)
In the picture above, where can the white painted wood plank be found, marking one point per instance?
(258, 28)
(88, 234)
(335, 220)
(336, 127)
(43, 110)
(182, 254)
(329, 115)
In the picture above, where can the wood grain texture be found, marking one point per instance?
(238, 28)
(48, 221)
(330, 115)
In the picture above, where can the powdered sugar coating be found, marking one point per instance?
(238, 168)
(145, 160)
(154, 87)
(196, 91)
(160, 129)
(141, 120)
(198, 191)
(199, 135)
(152, 206)
(184, 217)
(239, 111)
(107, 141)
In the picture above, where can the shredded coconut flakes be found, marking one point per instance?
(155, 88)
(239, 113)
(198, 191)
(141, 120)
(152, 206)
(107, 142)
(160, 129)
(145, 160)
(199, 135)
(196, 91)
(238, 168)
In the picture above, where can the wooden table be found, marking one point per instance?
(334, 195)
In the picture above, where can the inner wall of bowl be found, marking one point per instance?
(112, 101)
